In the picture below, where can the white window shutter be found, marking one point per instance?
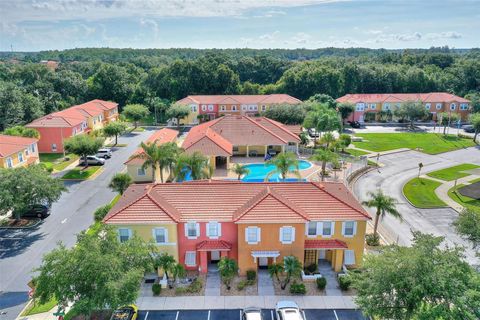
(349, 257)
(320, 228)
(259, 233)
(219, 225)
(207, 229)
(166, 235)
(343, 228)
(333, 228)
(186, 229)
(354, 228)
(198, 229)
(280, 234)
(293, 234)
(306, 228)
(154, 235)
(129, 233)
(246, 234)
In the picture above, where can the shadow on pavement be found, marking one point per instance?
(15, 241)
(11, 299)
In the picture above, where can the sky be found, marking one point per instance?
(34, 25)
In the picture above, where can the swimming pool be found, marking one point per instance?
(258, 172)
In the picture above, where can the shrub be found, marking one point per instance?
(250, 282)
(344, 282)
(251, 274)
(241, 285)
(180, 290)
(372, 240)
(156, 289)
(195, 286)
(101, 212)
(297, 288)
(312, 268)
(321, 283)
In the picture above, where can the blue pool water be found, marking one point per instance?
(258, 171)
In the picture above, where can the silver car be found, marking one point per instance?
(104, 153)
(288, 310)
(252, 314)
(93, 160)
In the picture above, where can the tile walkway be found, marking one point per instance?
(326, 271)
(212, 284)
(265, 283)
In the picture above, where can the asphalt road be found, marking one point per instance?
(21, 250)
(234, 314)
(400, 168)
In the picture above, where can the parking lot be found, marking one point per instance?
(233, 314)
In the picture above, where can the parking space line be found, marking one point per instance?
(271, 315)
(240, 314)
(146, 316)
(304, 316)
(208, 318)
(335, 313)
(176, 317)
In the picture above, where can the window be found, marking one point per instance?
(427, 106)
(27, 151)
(453, 106)
(223, 108)
(235, 148)
(397, 105)
(287, 235)
(160, 235)
(124, 234)
(327, 228)
(264, 107)
(140, 172)
(373, 106)
(204, 107)
(210, 107)
(386, 106)
(311, 229)
(194, 107)
(32, 148)
(464, 106)
(9, 162)
(54, 147)
(349, 257)
(74, 131)
(234, 108)
(190, 258)
(192, 230)
(252, 235)
(20, 156)
(438, 106)
(349, 228)
(214, 230)
(360, 107)
(244, 107)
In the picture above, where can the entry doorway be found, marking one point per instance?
(322, 254)
(215, 256)
(220, 162)
(263, 262)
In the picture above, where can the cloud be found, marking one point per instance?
(269, 36)
(409, 37)
(301, 38)
(444, 35)
(150, 23)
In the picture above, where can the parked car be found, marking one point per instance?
(37, 211)
(313, 133)
(252, 314)
(355, 124)
(288, 310)
(468, 128)
(104, 153)
(93, 160)
(125, 313)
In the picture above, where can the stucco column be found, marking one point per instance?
(334, 256)
(223, 254)
(203, 262)
(266, 150)
(248, 152)
(296, 145)
(338, 260)
(283, 148)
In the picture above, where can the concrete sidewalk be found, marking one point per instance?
(240, 302)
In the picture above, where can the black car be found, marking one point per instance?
(37, 211)
(469, 129)
(354, 124)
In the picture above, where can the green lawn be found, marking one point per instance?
(80, 173)
(118, 145)
(55, 160)
(115, 200)
(463, 200)
(421, 193)
(452, 173)
(430, 143)
(355, 153)
(39, 308)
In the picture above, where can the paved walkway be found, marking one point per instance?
(240, 302)
(326, 271)
(265, 284)
(212, 285)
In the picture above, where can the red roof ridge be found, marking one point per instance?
(170, 210)
(321, 187)
(120, 209)
(261, 126)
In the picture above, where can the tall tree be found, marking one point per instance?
(447, 119)
(228, 268)
(83, 145)
(120, 182)
(468, 225)
(384, 204)
(21, 131)
(475, 121)
(287, 113)
(114, 129)
(240, 170)
(412, 111)
(178, 112)
(195, 164)
(424, 281)
(345, 110)
(169, 153)
(151, 159)
(324, 156)
(285, 163)
(135, 112)
(20, 188)
(292, 268)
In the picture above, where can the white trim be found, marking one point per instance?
(265, 254)
(354, 229)
(281, 235)
(154, 234)
(349, 257)
(187, 261)
(197, 230)
(129, 233)
(141, 174)
(258, 234)
(218, 228)
(332, 229)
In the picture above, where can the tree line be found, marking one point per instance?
(156, 78)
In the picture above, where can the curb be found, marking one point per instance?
(28, 227)
(403, 194)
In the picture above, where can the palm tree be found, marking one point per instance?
(240, 170)
(292, 267)
(324, 156)
(152, 157)
(166, 262)
(120, 182)
(274, 270)
(227, 268)
(168, 156)
(384, 204)
(284, 163)
(195, 163)
(327, 139)
(178, 271)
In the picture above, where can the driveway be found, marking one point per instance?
(22, 250)
(400, 168)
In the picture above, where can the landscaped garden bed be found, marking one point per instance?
(240, 286)
(81, 173)
(192, 288)
(421, 193)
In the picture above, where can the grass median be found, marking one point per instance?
(81, 173)
(56, 161)
(430, 143)
(421, 193)
(452, 173)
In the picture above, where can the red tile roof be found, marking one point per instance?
(236, 201)
(209, 245)
(325, 244)
(74, 115)
(401, 97)
(13, 144)
(159, 137)
(240, 99)
(217, 137)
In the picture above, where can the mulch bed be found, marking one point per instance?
(21, 223)
(247, 291)
(167, 292)
(310, 286)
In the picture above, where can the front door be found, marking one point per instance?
(263, 262)
(215, 255)
(322, 254)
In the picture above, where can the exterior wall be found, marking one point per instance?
(95, 122)
(269, 241)
(110, 115)
(228, 234)
(48, 136)
(132, 170)
(145, 232)
(16, 160)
